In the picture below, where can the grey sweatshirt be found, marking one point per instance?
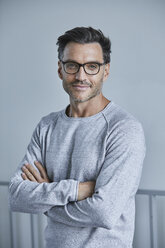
(108, 147)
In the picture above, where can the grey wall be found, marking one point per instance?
(30, 87)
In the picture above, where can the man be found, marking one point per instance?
(83, 164)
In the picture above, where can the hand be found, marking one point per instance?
(86, 189)
(31, 174)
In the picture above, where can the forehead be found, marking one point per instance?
(83, 52)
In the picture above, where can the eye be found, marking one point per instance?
(71, 65)
(92, 66)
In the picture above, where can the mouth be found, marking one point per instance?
(81, 87)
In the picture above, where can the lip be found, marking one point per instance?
(81, 87)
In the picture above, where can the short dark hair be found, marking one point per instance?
(85, 35)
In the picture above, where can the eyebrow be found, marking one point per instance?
(70, 60)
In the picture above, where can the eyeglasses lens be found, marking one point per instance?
(71, 67)
(91, 68)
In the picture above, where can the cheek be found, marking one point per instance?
(68, 78)
(97, 80)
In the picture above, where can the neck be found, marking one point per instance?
(87, 108)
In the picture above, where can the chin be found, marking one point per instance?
(82, 99)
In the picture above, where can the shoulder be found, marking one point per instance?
(120, 119)
(49, 120)
(123, 127)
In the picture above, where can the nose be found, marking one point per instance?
(81, 75)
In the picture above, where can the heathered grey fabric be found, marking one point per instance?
(108, 147)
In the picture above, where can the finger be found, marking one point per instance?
(28, 174)
(24, 176)
(41, 169)
(34, 172)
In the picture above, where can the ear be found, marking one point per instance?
(106, 71)
(60, 70)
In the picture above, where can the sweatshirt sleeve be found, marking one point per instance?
(117, 181)
(32, 197)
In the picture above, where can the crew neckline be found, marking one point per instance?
(63, 114)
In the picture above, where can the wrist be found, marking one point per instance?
(81, 192)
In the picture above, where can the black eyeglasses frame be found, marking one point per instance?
(83, 65)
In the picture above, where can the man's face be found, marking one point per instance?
(91, 85)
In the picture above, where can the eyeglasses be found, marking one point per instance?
(91, 68)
